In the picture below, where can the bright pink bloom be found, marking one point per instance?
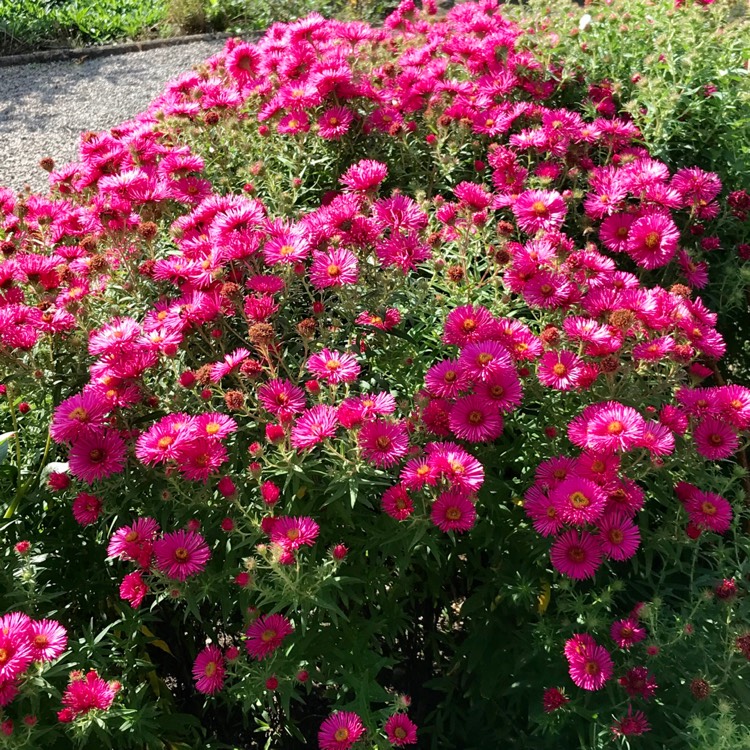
(333, 367)
(627, 632)
(397, 503)
(485, 360)
(292, 532)
(652, 240)
(133, 589)
(453, 511)
(559, 370)
(334, 268)
(383, 443)
(578, 501)
(468, 324)
(314, 425)
(476, 419)
(539, 209)
(134, 542)
(86, 508)
(48, 639)
(591, 667)
(576, 554)
(209, 670)
(181, 554)
(715, 439)
(89, 693)
(709, 511)
(229, 363)
(340, 731)
(401, 730)
(97, 455)
(542, 511)
(365, 176)
(78, 415)
(281, 397)
(446, 379)
(619, 536)
(266, 634)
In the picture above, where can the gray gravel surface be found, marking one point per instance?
(44, 107)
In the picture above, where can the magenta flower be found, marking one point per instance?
(453, 511)
(576, 554)
(266, 634)
(383, 443)
(181, 554)
(340, 731)
(97, 455)
(209, 670)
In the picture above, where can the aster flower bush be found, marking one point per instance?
(358, 392)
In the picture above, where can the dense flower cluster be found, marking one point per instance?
(274, 372)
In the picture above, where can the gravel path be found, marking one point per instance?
(44, 107)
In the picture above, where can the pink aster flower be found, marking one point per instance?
(314, 425)
(734, 405)
(89, 693)
(340, 731)
(281, 397)
(292, 532)
(591, 668)
(397, 503)
(559, 370)
(181, 554)
(133, 589)
(618, 535)
(16, 652)
(652, 240)
(715, 439)
(484, 360)
(576, 554)
(453, 511)
(365, 176)
(201, 459)
(476, 419)
(612, 427)
(78, 415)
(542, 511)
(334, 268)
(708, 510)
(658, 439)
(97, 455)
(48, 639)
(625, 633)
(539, 209)
(383, 443)
(209, 670)
(86, 508)
(578, 501)
(614, 231)
(460, 468)
(333, 367)
(467, 325)
(446, 379)
(266, 634)
(418, 473)
(229, 363)
(214, 426)
(134, 542)
(334, 123)
(286, 247)
(503, 389)
(401, 730)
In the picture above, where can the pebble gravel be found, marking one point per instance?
(44, 107)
